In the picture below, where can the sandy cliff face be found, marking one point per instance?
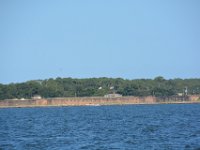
(41, 102)
(93, 101)
(77, 101)
(194, 97)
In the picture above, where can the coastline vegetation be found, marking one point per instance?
(70, 87)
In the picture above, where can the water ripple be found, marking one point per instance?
(105, 127)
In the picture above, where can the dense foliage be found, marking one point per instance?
(69, 87)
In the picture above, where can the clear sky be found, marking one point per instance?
(42, 39)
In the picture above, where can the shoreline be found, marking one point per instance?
(65, 102)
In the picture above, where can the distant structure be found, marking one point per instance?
(112, 95)
(184, 93)
(36, 97)
(180, 94)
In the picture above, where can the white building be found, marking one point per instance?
(36, 97)
(112, 95)
(180, 94)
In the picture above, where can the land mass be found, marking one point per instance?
(97, 101)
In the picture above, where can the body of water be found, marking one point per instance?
(168, 126)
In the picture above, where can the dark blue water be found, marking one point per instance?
(105, 127)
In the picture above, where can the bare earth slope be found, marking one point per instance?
(96, 101)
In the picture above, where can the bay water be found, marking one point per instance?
(163, 126)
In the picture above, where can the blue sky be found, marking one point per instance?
(102, 38)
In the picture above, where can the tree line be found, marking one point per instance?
(70, 87)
